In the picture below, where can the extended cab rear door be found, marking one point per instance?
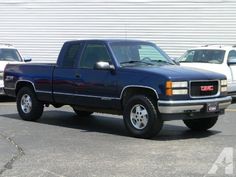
(65, 73)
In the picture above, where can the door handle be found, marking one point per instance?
(77, 75)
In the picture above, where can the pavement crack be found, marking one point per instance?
(20, 152)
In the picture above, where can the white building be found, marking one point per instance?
(39, 27)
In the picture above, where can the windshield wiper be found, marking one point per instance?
(199, 61)
(161, 61)
(185, 61)
(135, 61)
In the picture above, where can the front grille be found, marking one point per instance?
(204, 88)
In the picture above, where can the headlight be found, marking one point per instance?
(182, 84)
(223, 84)
(224, 89)
(176, 88)
(180, 92)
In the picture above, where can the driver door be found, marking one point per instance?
(96, 87)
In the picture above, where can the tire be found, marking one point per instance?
(82, 113)
(28, 106)
(202, 124)
(141, 117)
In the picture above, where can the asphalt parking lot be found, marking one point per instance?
(62, 145)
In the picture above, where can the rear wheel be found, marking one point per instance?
(141, 118)
(82, 113)
(202, 124)
(28, 106)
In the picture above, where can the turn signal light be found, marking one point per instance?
(169, 84)
(169, 92)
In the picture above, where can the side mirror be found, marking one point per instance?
(232, 61)
(102, 65)
(27, 59)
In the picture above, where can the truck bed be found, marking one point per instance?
(38, 74)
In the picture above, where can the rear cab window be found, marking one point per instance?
(71, 55)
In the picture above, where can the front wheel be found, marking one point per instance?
(141, 117)
(202, 124)
(28, 106)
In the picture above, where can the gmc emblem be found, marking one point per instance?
(207, 88)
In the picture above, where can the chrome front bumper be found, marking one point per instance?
(186, 106)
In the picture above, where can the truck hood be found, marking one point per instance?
(4, 63)
(207, 66)
(175, 72)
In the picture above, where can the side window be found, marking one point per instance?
(232, 56)
(70, 56)
(92, 54)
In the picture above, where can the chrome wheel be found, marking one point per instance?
(139, 116)
(26, 103)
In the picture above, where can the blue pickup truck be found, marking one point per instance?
(129, 77)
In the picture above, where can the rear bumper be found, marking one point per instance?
(189, 106)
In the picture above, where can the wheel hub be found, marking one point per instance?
(139, 116)
(26, 103)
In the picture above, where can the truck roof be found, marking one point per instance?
(110, 40)
(215, 47)
(6, 46)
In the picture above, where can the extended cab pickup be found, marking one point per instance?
(133, 78)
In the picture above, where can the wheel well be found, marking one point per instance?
(130, 92)
(23, 84)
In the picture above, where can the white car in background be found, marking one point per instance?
(8, 54)
(217, 58)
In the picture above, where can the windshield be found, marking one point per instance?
(9, 55)
(138, 53)
(203, 56)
